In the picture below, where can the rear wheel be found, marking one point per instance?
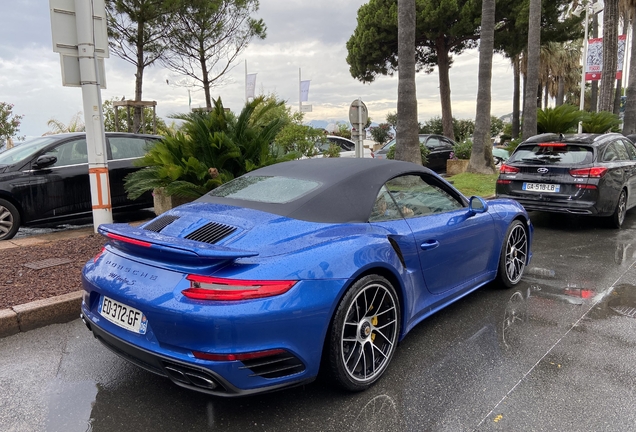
(9, 220)
(618, 217)
(364, 333)
(514, 255)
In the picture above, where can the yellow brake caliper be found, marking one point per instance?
(374, 321)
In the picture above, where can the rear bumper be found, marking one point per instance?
(588, 208)
(183, 374)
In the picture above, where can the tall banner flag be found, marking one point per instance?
(594, 63)
(304, 90)
(250, 85)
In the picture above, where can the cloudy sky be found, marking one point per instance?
(310, 36)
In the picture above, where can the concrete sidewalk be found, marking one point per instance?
(41, 313)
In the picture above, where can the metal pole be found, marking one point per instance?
(93, 115)
(246, 81)
(359, 149)
(584, 63)
(300, 94)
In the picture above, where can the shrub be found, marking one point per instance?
(210, 149)
(423, 151)
(562, 119)
(601, 122)
(332, 151)
(463, 149)
(382, 133)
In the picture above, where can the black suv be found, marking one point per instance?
(45, 180)
(585, 174)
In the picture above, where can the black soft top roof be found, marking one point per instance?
(347, 193)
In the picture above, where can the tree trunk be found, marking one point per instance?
(407, 146)
(619, 81)
(629, 121)
(610, 48)
(532, 74)
(594, 91)
(139, 77)
(443, 66)
(515, 97)
(481, 160)
(560, 92)
(205, 77)
(617, 96)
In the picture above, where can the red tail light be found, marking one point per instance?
(504, 181)
(594, 172)
(99, 254)
(552, 145)
(507, 169)
(211, 288)
(233, 357)
(586, 186)
(128, 240)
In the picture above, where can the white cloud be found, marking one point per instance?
(306, 35)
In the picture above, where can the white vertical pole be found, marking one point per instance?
(93, 116)
(300, 94)
(246, 98)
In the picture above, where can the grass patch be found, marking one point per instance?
(470, 184)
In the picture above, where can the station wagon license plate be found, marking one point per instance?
(122, 315)
(541, 187)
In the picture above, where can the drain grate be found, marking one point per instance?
(625, 311)
(49, 262)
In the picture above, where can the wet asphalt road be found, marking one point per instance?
(555, 353)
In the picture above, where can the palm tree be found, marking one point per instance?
(610, 53)
(629, 121)
(407, 146)
(75, 125)
(481, 160)
(560, 70)
(532, 75)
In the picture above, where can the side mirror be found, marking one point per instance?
(477, 205)
(44, 161)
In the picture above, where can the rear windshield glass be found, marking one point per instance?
(275, 190)
(569, 154)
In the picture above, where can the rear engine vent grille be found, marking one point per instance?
(274, 366)
(160, 223)
(211, 233)
(191, 377)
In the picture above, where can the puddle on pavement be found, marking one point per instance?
(620, 302)
(70, 405)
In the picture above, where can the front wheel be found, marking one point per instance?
(364, 333)
(514, 255)
(9, 220)
(618, 217)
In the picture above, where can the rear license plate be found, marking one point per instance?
(122, 315)
(541, 187)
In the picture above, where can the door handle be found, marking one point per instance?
(429, 244)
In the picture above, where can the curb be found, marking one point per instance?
(40, 313)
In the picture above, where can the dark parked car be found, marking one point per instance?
(585, 174)
(45, 180)
(440, 149)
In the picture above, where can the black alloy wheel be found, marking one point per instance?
(9, 220)
(364, 333)
(514, 255)
(618, 217)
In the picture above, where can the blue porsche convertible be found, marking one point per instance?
(320, 264)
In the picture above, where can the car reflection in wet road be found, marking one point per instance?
(554, 353)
